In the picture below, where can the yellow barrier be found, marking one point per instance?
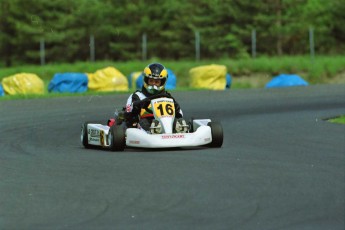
(107, 79)
(23, 83)
(208, 77)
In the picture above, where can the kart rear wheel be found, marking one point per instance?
(116, 138)
(217, 134)
(83, 135)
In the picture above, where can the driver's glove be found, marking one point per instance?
(138, 105)
(145, 103)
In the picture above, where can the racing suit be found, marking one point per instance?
(138, 110)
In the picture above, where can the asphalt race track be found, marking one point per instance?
(281, 165)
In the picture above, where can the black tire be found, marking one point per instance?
(116, 137)
(217, 134)
(190, 123)
(83, 135)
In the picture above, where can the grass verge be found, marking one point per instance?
(339, 120)
(245, 73)
(317, 71)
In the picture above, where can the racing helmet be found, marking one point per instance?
(155, 71)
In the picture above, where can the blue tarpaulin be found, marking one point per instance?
(228, 81)
(132, 79)
(2, 93)
(171, 82)
(68, 83)
(139, 82)
(286, 80)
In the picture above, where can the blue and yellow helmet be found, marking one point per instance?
(155, 71)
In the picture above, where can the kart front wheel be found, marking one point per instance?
(217, 134)
(190, 123)
(116, 138)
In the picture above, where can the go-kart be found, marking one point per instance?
(116, 137)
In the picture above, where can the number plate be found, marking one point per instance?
(163, 107)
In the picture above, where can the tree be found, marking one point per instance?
(224, 26)
(336, 26)
(7, 28)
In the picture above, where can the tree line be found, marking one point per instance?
(225, 28)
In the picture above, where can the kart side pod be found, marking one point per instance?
(216, 130)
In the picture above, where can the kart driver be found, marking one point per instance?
(138, 113)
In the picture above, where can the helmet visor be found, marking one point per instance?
(154, 81)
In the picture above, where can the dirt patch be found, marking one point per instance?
(338, 79)
(259, 80)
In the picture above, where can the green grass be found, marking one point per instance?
(317, 71)
(52, 95)
(340, 120)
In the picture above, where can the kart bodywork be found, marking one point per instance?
(200, 132)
